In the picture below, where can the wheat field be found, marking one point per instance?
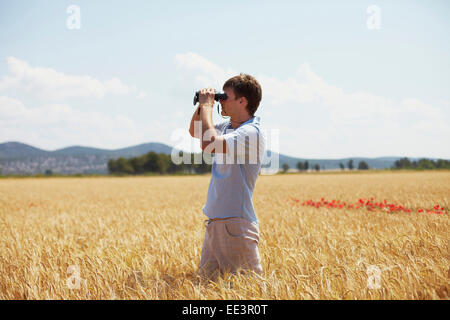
(141, 238)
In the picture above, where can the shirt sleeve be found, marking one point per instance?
(244, 145)
(219, 127)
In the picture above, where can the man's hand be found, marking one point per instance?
(206, 97)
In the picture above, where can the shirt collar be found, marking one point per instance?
(254, 119)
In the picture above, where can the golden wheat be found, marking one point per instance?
(141, 237)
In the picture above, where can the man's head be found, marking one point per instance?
(243, 92)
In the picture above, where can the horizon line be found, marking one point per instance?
(72, 146)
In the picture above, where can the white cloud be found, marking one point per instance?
(203, 72)
(316, 119)
(59, 125)
(320, 120)
(180, 139)
(50, 84)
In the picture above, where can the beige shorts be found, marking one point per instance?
(230, 245)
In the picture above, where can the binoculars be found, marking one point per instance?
(218, 96)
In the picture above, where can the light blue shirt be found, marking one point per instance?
(234, 174)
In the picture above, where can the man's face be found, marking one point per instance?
(231, 106)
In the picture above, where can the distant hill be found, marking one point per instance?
(127, 152)
(11, 150)
(19, 158)
(17, 150)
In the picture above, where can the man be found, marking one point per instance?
(238, 144)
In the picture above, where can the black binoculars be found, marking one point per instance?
(218, 96)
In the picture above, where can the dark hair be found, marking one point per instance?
(245, 85)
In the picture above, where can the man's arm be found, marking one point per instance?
(195, 117)
(210, 141)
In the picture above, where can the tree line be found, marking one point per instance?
(162, 163)
(304, 166)
(403, 163)
(157, 163)
(421, 164)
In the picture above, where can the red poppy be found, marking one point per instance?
(368, 204)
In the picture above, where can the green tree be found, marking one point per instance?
(153, 162)
(442, 164)
(172, 167)
(341, 165)
(317, 167)
(138, 164)
(112, 166)
(306, 166)
(402, 163)
(285, 167)
(362, 165)
(300, 166)
(425, 164)
(350, 164)
(124, 166)
(203, 167)
(163, 163)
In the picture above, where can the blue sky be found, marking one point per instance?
(331, 86)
